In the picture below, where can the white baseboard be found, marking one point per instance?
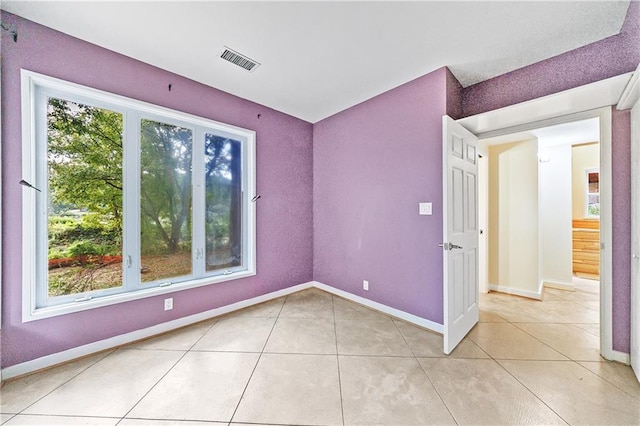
(123, 339)
(618, 356)
(517, 292)
(425, 323)
(559, 285)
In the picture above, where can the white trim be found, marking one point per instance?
(37, 85)
(430, 325)
(516, 292)
(68, 308)
(539, 117)
(123, 339)
(51, 360)
(622, 357)
(127, 103)
(584, 98)
(606, 235)
(631, 92)
(559, 286)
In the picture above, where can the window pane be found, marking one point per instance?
(165, 201)
(223, 210)
(84, 214)
(593, 207)
(594, 182)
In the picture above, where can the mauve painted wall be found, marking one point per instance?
(372, 164)
(454, 96)
(284, 179)
(621, 222)
(613, 56)
(366, 224)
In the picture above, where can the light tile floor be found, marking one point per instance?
(315, 359)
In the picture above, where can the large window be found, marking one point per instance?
(128, 199)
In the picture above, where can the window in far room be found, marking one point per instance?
(593, 193)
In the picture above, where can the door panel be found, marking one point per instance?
(460, 232)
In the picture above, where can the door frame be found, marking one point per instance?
(483, 218)
(630, 99)
(540, 117)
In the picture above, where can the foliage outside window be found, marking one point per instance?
(84, 209)
(134, 198)
(593, 192)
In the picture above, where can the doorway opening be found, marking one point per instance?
(540, 195)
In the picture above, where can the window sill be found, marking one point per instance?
(99, 302)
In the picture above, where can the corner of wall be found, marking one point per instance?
(454, 95)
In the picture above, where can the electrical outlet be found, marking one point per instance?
(168, 304)
(425, 209)
(365, 285)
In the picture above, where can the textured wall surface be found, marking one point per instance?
(373, 163)
(339, 199)
(284, 179)
(612, 56)
(621, 199)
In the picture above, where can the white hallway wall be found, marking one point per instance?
(514, 237)
(554, 192)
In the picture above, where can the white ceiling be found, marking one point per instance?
(319, 58)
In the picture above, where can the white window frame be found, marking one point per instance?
(587, 193)
(34, 88)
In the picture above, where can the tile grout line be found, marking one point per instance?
(258, 360)
(166, 373)
(544, 343)
(108, 352)
(532, 336)
(425, 373)
(11, 416)
(525, 386)
(335, 332)
(603, 378)
(338, 356)
(497, 361)
(64, 416)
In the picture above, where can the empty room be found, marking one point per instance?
(320, 213)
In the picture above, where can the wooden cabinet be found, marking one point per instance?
(586, 247)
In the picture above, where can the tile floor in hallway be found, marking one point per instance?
(315, 359)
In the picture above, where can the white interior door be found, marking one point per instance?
(460, 232)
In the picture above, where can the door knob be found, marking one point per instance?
(449, 246)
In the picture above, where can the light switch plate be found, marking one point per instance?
(425, 209)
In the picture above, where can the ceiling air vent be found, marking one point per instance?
(239, 59)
